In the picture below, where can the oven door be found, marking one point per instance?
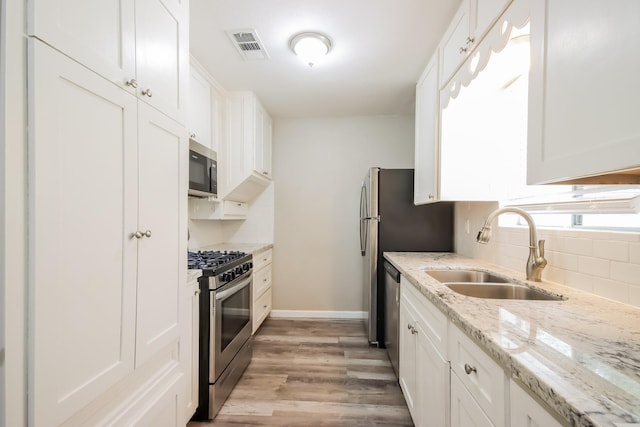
(230, 323)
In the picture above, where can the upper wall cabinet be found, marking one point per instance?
(141, 45)
(248, 152)
(584, 96)
(427, 140)
(468, 26)
(199, 110)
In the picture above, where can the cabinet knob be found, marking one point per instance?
(137, 235)
(192, 135)
(470, 40)
(265, 172)
(463, 49)
(147, 233)
(469, 369)
(265, 306)
(431, 197)
(197, 292)
(414, 331)
(264, 280)
(147, 92)
(133, 83)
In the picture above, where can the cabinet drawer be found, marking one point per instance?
(261, 259)
(431, 320)
(482, 376)
(465, 411)
(261, 281)
(235, 208)
(261, 309)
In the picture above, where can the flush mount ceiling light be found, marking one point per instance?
(310, 47)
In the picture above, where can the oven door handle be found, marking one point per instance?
(235, 288)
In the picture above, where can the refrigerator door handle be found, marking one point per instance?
(363, 219)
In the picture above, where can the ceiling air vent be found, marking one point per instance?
(248, 44)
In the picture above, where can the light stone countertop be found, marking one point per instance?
(253, 248)
(581, 355)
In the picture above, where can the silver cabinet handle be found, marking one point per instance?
(408, 326)
(265, 306)
(463, 49)
(133, 83)
(470, 40)
(192, 135)
(137, 235)
(147, 233)
(197, 292)
(414, 331)
(147, 92)
(469, 369)
(264, 280)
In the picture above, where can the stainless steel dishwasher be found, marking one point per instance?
(391, 315)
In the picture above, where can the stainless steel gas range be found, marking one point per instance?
(225, 325)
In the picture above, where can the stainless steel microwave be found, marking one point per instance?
(203, 171)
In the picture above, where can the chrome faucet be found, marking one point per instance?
(536, 261)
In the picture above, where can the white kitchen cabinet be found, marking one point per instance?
(482, 377)
(141, 46)
(248, 151)
(427, 138)
(199, 112)
(526, 412)
(191, 353)
(261, 287)
(465, 411)
(104, 303)
(584, 97)
(424, 371)
(467, 28)
(217, 209)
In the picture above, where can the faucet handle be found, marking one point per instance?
(541, 247)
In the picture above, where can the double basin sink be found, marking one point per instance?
(484, 284)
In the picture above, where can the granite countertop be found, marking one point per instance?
(581, 355)
(253, 248)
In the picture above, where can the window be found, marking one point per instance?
(606, 207)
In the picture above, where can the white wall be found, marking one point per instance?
(601, 262)
(319, 164)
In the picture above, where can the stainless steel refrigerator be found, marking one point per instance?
(390, 222)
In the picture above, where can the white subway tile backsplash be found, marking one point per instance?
(611, 249)
(562, 260)
(606, 263)
(579, 281)
(578, 246)
(594, 266)
(611, 289)
(634, 253)
(625, 272)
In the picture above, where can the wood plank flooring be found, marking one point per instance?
(314, 373)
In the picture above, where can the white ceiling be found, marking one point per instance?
(379, 50)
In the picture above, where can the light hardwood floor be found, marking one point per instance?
(314, 373)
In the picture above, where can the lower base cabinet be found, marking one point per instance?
(526, 412)
(190, 354)
(449, 381)
(424, 372)
(261, 288)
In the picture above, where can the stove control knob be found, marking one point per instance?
(238, 270)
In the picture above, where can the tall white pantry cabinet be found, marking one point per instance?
(107, 211)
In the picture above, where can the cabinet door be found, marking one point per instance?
(162, 200)
(455, 44)
(83, 204)
(427, 138)
(525, 411)
(199, 112)
(162, 62)
(584, 96)
(432, 383)
(191, 347)
(407, 357)
(484, 14)
(262, 144)
(99, 35)
(267, 132)
(218, 120)
(465, 412)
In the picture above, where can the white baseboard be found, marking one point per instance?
(318, 314)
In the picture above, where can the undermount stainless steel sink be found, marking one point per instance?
(484, 284)
(466, 276)
(501, 291)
